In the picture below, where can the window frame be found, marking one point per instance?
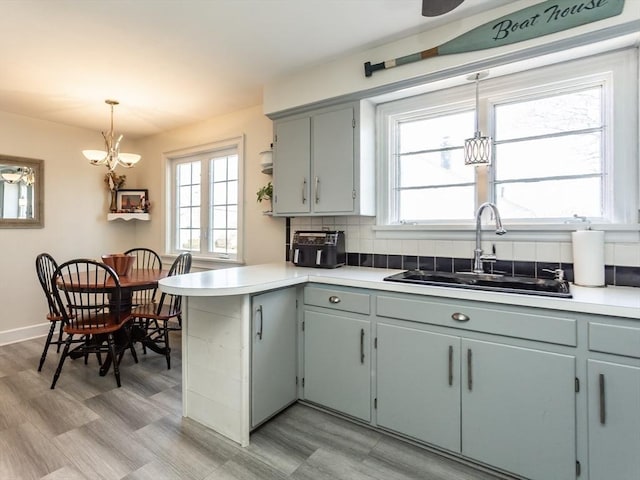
(204, 154)
(621, 175)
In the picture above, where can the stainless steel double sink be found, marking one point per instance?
(486, 281)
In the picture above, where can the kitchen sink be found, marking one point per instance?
(486, 281)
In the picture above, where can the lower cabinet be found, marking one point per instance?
(510, 407)
(273, 354)
(614, 420)
(418, 392)
(519, 409)
(337, 362)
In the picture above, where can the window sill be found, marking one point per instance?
(515, 232)
(203, 263)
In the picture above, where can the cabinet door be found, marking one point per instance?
(614, 421)
(273, 358)
(336, 363)
(418, 392)
(292, 166)
(333, 161)
(518, 409)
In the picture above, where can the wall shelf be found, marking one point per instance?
(128, 216)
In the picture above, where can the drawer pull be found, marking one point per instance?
(603, 411)
(362, 345)
(460, 317)
(469, 371)
(334, 299)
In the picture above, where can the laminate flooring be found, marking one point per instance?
(88, 429)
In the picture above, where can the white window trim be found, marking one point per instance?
(625, 225)
(170, 159)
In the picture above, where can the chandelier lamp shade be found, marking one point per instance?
(477, 150)
(111, 157)
(25, 175)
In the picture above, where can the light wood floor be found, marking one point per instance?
(88, 429)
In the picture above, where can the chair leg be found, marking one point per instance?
(65, 352)
(112, 351)
(47, 343)
(60, 337)
(166, 343)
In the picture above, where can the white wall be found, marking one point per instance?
(264, 235)
(76, 206)
(345, 75)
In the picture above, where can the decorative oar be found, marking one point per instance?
(543, 19)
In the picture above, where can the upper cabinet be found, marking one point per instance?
(324, 162)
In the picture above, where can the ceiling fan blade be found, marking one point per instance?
(433, 8)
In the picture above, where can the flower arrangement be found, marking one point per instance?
(114, 181)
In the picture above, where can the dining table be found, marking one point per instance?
(135, 280)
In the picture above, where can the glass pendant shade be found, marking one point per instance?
(11, 176)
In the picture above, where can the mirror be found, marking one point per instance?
(21, 192)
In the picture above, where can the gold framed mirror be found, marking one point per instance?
(21, 192)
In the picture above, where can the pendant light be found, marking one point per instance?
(112, 157)
(477, 150)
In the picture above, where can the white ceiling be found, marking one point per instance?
(175, 62)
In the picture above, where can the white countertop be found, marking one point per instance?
(614, 301)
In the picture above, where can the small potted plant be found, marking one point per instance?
(266, 193)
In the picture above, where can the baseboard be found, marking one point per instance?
(24, 333)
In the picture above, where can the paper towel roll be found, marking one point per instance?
(588, 258)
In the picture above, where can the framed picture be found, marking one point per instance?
(132, 201)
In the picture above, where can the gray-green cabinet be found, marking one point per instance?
(510, 407)
(323, 162)
(418, 376)
(518, 409)
(614, 420)
(273, 353)
(337, 362)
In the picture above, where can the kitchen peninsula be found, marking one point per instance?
(555, 340)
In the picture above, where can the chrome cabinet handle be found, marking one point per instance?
(304, 190)
(362, 345)
(259, 310)
(603, 411)
(334, 299)
(460, 317)
(450, 365)
(317, 189)
(469, 370)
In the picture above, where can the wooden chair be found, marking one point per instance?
(146, 259)
(154, 318)
(89, 295)
(45, 266)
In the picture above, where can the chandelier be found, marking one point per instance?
(112, 157)
(477, 150)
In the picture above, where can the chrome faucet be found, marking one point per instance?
(478, 257)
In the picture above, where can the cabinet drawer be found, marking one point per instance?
(481, 318)
(338, 299)
(614, 339)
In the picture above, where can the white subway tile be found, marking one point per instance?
(426, 248)
(547, 252)
(524, 251)
(444, 248)
(366, 245)
(627, 254)
(410, 247)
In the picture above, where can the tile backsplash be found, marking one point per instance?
(622, 260)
